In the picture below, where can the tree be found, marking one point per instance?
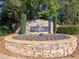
(51, 10)
(69, 12)
(32, 9)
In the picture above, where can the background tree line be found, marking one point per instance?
(60, 11)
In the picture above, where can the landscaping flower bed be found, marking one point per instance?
(42, 37)
(44, 48)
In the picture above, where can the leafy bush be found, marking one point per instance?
(68, 29)
(4, 30)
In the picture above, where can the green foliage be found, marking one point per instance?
(53, 6)
(16, 3)
(68, 29)
(8, 18)
(70, 14)
(4, 30)
(23, 23)
(32, 7)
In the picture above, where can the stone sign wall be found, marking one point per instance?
(38, 26)
(45, 49)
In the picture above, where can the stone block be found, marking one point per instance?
(47, 47)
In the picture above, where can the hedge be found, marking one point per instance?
(68, 29)
(4, 30)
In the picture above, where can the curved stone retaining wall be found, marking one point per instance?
(56, 48)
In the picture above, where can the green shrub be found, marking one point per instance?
(4, 30)
(68, 29)
(23, 23)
